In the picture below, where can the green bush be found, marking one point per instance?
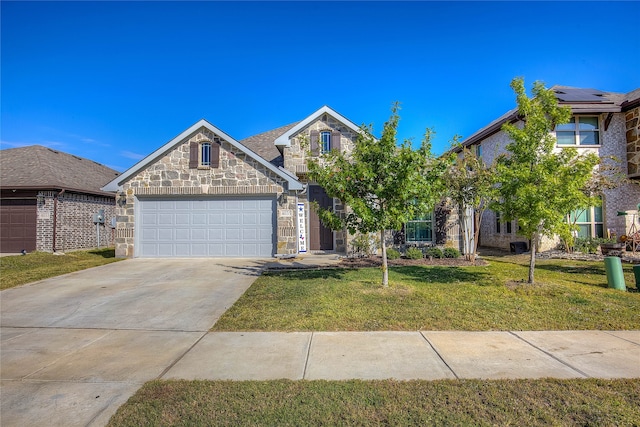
(588, 245)
(392, 254)
(364, 244)
(414, 253)
(434, 253)
(451, 253)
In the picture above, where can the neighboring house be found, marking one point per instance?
(48, 200)
(606, 123)
(206, 194)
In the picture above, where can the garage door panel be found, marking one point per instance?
(207, 227)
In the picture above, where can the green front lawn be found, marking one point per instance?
(20, 269)
(383, 403)
(568, 295)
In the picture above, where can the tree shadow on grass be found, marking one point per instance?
(443, 275)
(308, 273)
(104, 253)
(574, 270)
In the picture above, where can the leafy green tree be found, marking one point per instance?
(384, 185)
(539, 185)
(471, 184)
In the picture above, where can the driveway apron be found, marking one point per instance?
(76, 347)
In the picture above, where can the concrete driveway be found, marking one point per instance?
(76, 347)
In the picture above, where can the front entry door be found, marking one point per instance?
(320, 237)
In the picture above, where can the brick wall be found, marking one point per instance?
(73, 217)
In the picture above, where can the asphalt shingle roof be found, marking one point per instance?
(40, 167)
(263, 144)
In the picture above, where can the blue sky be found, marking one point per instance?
(113, 81)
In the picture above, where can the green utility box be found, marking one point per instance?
(615, 276)
(636, 272)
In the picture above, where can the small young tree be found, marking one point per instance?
(384, 185)
(471, 184)
(538, 186)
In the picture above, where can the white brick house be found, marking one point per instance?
(205, 193)
(606, 123)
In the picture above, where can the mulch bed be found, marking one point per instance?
(376, 261)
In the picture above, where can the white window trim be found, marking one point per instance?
(201, 165)
(576, 132)
(321, 141)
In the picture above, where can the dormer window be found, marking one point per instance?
(581, 130)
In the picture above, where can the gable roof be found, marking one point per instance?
(114, 185)
(284, 140)
(38, 167)
(263, 144)
(581, 101)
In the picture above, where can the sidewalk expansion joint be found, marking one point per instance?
(551, 355)
(306, 360)
(439, 355)
(180, 357)
(624, 339)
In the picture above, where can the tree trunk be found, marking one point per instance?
(532, 261)
(385, 268)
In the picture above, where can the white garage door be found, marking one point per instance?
(229, 227)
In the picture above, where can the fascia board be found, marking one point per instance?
(284, 139)
(116, 184)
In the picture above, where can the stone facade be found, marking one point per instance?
(65, 221)
(632, 136)
(295, 160)
(236, 174)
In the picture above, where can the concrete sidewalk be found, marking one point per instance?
(425, 355)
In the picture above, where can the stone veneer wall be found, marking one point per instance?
(237, 174)
(74, 221)
(295, 160)
(632, 134)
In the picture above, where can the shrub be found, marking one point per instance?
(451, 253)
(364, 244)
(414, 253)
(434, 253)
(588, 245)
(392, 254)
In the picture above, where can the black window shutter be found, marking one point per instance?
(335, 140)
(314, 142)
(215, 155)
(194, 155)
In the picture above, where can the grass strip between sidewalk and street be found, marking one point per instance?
(542, 402)
(17, 270)
(568, 295)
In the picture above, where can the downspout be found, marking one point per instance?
(55, 217)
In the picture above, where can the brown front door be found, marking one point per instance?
(17, 225)
(320, 237)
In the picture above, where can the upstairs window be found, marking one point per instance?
(581, 130)
(420, 229)
(325, 141)
(205, 154)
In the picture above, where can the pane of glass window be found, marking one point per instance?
(589, 138)
(584, 231)
(325, 138)
(584, 215)
(599, 230)
(588, 123)
(597, 214)
(410, 231)
(566, 138)
(206, 154)
(567, 126)
(509, 230)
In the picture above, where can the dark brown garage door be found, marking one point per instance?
(17, 225)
